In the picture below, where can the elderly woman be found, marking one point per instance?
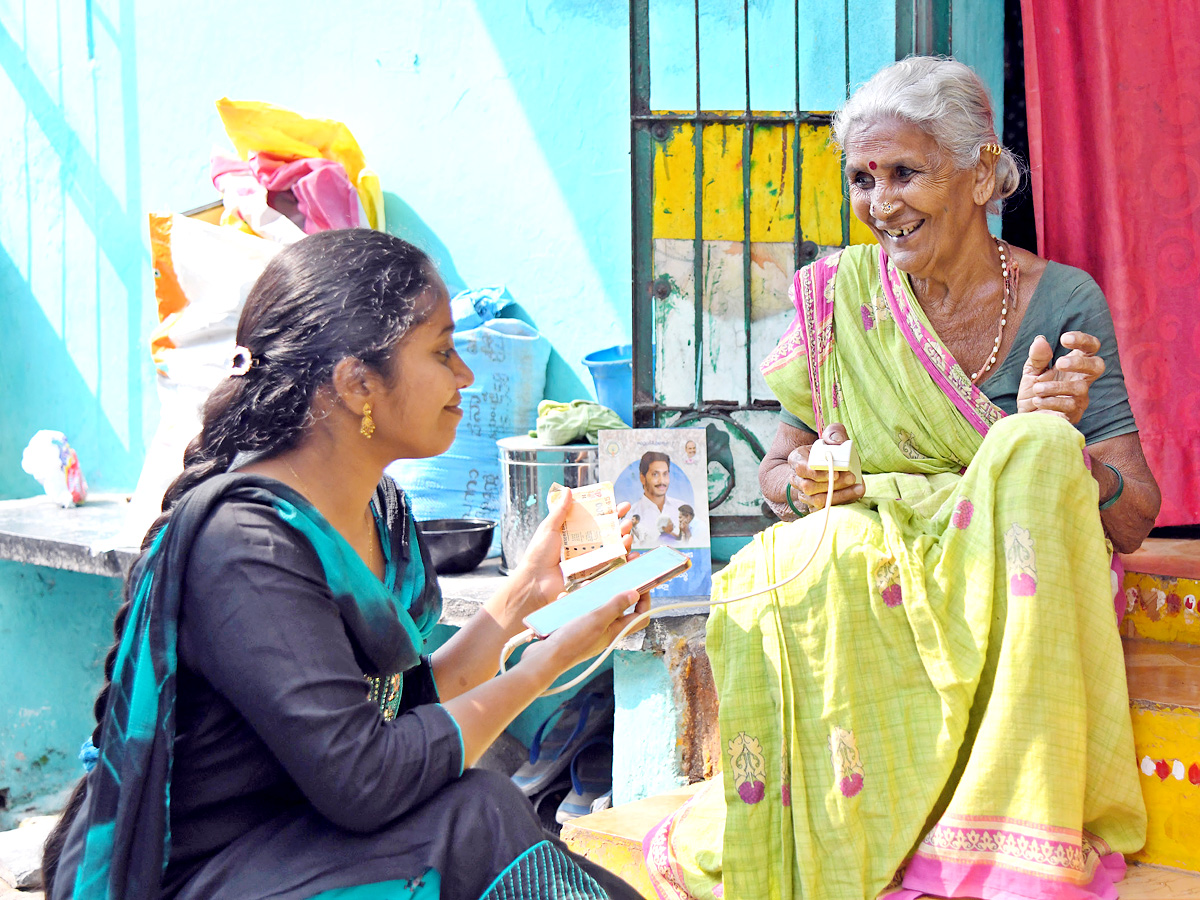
(936, 705)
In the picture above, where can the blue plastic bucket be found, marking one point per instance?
(612, 371)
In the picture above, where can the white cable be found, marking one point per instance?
(526, 636)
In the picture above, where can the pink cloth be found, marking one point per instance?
(324, 195)
(1113, 93)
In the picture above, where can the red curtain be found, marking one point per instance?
(1113, 90)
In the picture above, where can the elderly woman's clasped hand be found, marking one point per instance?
(811, 486)
(1061, 388)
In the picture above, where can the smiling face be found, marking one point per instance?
(418, 413)
(656, 481)
(932, 204)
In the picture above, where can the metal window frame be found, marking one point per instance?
(922, 27)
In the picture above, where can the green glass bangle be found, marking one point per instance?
(1117, 493)
(787, 492)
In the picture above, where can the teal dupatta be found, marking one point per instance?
(127, 842)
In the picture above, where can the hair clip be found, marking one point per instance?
(993, 148)
(241, 361)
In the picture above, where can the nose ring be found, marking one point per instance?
(886, 207)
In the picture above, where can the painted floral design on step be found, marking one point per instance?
(1153, 602)
(1158, 598)
(868, 317)
(748, 767)
(1021, 559)
(887, 579)
(1170, 768)
(847, 765)
(963, 511)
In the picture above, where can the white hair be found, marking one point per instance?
(946, 100)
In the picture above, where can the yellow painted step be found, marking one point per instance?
(1164, 693)
(612, 838)
(1162, 591)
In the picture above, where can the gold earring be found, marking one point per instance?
(368, 424)
(992, 148)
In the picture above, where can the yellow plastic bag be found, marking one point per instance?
(256, 127)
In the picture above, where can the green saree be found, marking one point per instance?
(938, 703)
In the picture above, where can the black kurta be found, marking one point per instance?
(287, 779)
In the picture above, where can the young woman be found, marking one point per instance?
(241, 752)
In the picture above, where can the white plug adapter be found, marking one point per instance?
(843, 457)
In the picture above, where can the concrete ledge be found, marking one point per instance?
(39, 532)
(1177, 558)
(1159, 883)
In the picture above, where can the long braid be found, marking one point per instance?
(299, 322)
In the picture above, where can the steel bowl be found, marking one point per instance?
(457, 545)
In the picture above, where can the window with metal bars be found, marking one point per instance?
(727, 204)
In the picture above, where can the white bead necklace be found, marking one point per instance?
(1010, 292)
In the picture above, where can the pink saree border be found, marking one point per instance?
(946, 373)
(1006, 859)
(943, 879)
(664, 874)
(811, 332)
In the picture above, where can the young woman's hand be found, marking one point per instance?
(588, 635)
(539, 569)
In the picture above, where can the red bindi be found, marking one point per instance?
(871, 165)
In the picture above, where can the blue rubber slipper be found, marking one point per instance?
(591, 778)
(566, 729)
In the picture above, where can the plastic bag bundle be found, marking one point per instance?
(50, 459)
(202, 275)
(293, 175)
(203, 272)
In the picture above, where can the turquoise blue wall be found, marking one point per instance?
(977, 30)
(646, 756)
(55, 628)
(500, 131)
(498, 151)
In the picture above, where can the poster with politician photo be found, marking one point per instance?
(663, 474)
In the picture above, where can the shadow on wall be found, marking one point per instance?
(46, 390)
(101, 277)
(403, 221)
(576, 100)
